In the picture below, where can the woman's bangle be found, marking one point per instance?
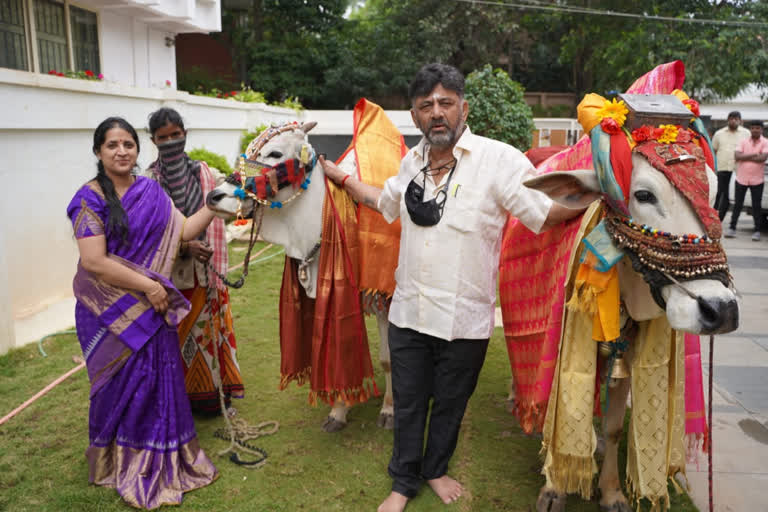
(345, 178)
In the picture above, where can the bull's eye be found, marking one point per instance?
(644, 196)
(275, 154)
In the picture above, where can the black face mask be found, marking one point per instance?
(426, 213)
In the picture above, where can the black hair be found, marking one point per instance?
(116, 221)
(755, 122)
(735, 114)
(163, 116)
(430, 75)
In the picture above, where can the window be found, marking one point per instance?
(13, 43)
(44, 35)
(85, 39)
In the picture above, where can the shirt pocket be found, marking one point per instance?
(463, 209)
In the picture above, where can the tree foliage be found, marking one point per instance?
(497, 109)
(310, 50)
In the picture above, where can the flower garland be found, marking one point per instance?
(664, 134)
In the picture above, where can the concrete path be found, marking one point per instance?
(740, 406)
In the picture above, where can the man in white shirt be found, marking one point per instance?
(725, 142)
(452, 194)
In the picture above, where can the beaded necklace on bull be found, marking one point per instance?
(661, 257)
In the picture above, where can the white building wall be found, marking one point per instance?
(46, 136)
(135, 53)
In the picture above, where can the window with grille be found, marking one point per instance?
(45, 35)
(85, 39)
(13, 42)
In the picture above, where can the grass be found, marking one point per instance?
(42, 467)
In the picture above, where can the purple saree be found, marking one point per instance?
(142, 435)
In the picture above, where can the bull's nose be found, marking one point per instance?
(214, 196)
(718, 316)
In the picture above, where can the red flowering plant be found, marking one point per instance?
(86, 74)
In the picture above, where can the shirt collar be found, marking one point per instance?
(465, 143)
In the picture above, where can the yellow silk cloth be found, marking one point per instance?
(598, 291)
(378, 147)
(657, 426)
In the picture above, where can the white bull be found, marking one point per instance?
(708, 306)
(297, 226)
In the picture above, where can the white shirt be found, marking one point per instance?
(446, 274)
(725, 142)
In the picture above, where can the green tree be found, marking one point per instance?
(497, 109)
(720, 59)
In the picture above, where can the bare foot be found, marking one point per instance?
(395, 502)
(446, 488)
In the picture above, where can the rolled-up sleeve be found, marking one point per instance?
(389, 200)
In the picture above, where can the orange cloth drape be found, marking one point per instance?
(378, 147)
(325, 341)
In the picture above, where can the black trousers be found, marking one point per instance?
(427, 368)
(757, 197)
(721, 200)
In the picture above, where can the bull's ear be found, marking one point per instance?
(572, 189)
(305, 127)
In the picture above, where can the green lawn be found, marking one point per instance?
(42, 467)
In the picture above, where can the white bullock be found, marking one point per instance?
(705, 304)
(297, 226)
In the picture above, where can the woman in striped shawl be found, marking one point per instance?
(206, 334)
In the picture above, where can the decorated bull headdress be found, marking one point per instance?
(262, 182)
(667, 132)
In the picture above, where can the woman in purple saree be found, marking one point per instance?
(142, 436)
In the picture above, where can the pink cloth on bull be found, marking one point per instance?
(532, 271)
(695, 416)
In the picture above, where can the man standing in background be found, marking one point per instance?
(725, 143)
(751, 155)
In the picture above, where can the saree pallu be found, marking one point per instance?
(142, 436)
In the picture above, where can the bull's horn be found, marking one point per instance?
(305, 127)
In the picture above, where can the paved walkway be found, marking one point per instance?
(740, 406)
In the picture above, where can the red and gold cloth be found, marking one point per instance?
(324, 341)
(688, 176)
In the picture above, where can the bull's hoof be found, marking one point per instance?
(619, 506)
(550, 501)
(331, 425)
(386, 421)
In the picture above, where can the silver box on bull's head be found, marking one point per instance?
(655, 110)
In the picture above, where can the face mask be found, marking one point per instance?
(168, 151)
(426, 213)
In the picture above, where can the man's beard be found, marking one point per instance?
(447, 138)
